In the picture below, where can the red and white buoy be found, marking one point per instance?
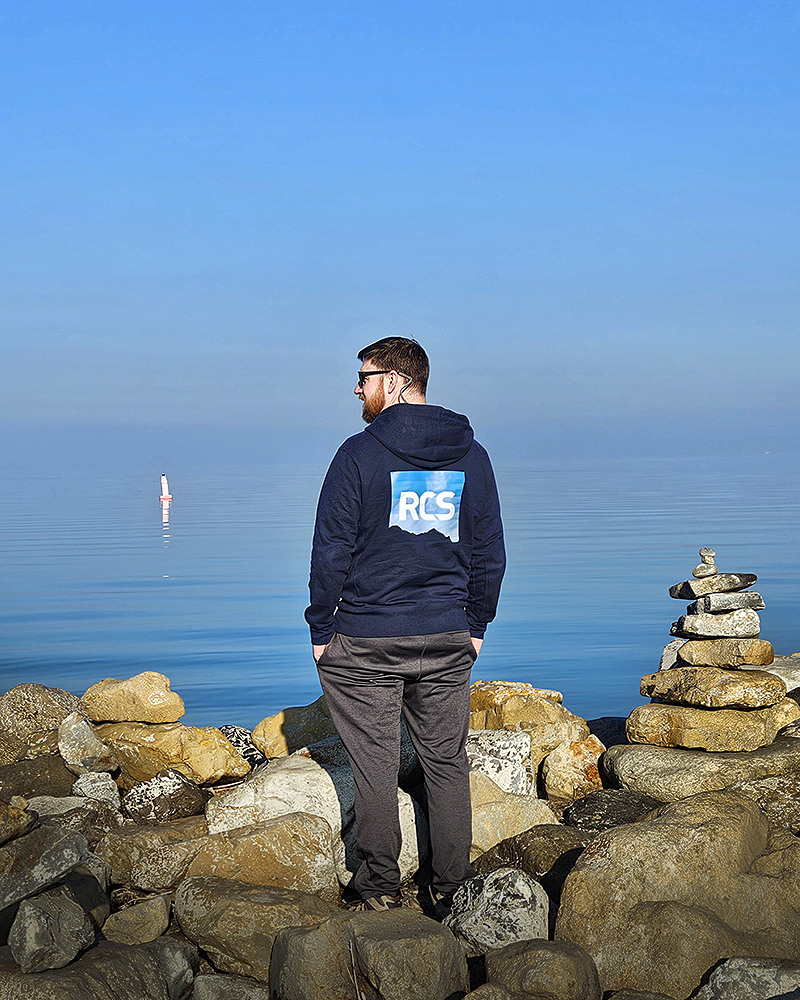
(165, 493)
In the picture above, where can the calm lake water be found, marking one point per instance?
(95, 585)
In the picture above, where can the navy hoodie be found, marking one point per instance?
(408, 538)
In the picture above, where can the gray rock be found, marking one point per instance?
(14, 821)
(547, 970)
(90, 817)
(80, 747)
(43, 776)
(494, 910)
(98, 785)
(100, 868)
(743, 624)
(602, 810)
(721, 583)
(752, 979)
(28, 709)
(49, 930)
(106, 972)
(711, 603)
(236, 923)
(788, 669)
(166, 797)
(399, 955)
(669, 657)
(178, 961)
(706, 877)
(140, 923)
(37, 860)
(224, 986)
(777, 795)
(670, 773)
(87, 890)
(706, 567)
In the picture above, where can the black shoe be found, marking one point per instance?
(442, 903)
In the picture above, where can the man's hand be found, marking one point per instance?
(477, 643)
(319, 650)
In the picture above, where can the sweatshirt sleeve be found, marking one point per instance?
(338, 514)
(488, 563)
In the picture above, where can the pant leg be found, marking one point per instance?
(364, 694)
(436, 708)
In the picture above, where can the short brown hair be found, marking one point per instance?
(401, 355)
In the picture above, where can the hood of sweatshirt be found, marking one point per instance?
(422, 435)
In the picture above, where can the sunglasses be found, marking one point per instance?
(363, 376)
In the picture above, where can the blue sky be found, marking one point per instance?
(586, 212)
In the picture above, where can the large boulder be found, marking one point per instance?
(668, 774)
(497, 815)
(91, 818)
(711, 687)
(548, 722)
(716, 729)
(570, 771)
(293, 728)
(504, 757)
(144, 698)
(236, 923)
(547, 970)
(752, 979)
(608, 807)
(28, 709)
(124, 847)
(292, 851)
(143, 750)
(658, 902)
(49, 930)
(778, 795)
(139, 923)
(168, 796)
(399, 955)
(37, 860)
(46, 775)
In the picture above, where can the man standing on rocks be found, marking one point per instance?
(406, 568)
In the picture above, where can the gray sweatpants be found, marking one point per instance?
(367, 684)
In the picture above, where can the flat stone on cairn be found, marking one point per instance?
(700, 699)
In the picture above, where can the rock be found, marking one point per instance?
(670, 774)
(777, 795)
(201, 754)
(743, 624)
(496, 815)
(293, 851)
(722, 582)
(727, 653)
(41, 744)
(293, 728)
(98, 785)
(788, 669)
(143, 698)
(669, 657)
(12, 747)
(711, 603)
(42, 776)
(610, 807)
(100, 868)
(49, 931)
(178, 962)
(223, 986)
(140, 923)
(124, 847)
(548, 970)
(491, 991)
(106, 972)
(706, 567)
(14, 821)
(491, 911)
(34, 861)
(28, 709)
(547, 853)
(168, 796)
(752, 979)
(236, 923)
(609, 729)
(658, 902)
(89, 892)
(91, 818)
(710, 728)
(242, 740)
(640, 995)
(504, 757)
(485, 695)
(711, 687)
(330, 752)
(570, 771)
(548, 723)
(80, 748)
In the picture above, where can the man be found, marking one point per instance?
(406, 568)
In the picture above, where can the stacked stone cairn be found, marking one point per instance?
(709, 693)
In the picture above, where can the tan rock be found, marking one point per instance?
(709, 728)
(727, 653)
(477, 720)
(201, 754)
(711, 687)
(497, 815)
(15, 821)
(143, 698)
(139, 923)
(293, 851)
(28, 709)
(490, 694)
(570, 771)
(548, 723)
(124, 847)
(293, 728)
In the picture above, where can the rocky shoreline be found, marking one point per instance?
(654, 857)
